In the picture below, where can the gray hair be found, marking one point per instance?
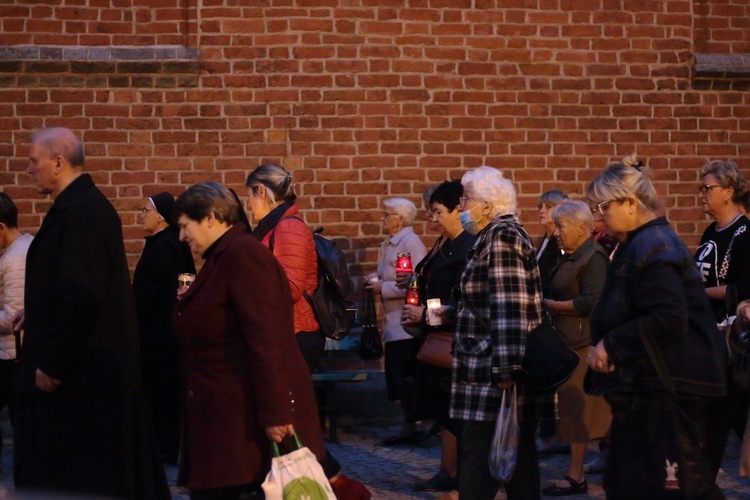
(60, 141)
(278, 181)
(553, 197)
(576, 212)
(199, 200)
(489, 185)
(619, 180)
(403, 207)
(728, 175)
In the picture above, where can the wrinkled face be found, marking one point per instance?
(151, 219)
(469, 201)
(42, 168)
(392, 222)
(569, 235)
(713, 196)
(545, 214)
(196, 234)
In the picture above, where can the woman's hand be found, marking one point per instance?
(445, 313)
(505, 385)
(16, 321)
(743, 311)
(403, 279)
(278, 432)
(551, 307)
(598, 360)
(374, 286)
(411, 314)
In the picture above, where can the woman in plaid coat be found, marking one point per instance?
(501, 284)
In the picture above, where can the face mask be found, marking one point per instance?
(470, 226)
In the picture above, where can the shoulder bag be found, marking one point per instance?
(548, 360)
(370, 343)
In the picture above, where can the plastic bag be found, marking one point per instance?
(504, 448)
(296, 475)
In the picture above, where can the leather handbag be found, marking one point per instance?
(548, 360)
(436, 349)
(370, 343)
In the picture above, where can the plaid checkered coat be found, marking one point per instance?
(501, 281)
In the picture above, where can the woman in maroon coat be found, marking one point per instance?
(245, 381)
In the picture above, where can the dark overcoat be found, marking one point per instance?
(91, 435)
(243, 369)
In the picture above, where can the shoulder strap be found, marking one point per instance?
(658, 361)
(728, 256)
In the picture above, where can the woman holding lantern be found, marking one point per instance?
(400, 347)
(437, 274)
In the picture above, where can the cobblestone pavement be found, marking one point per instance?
(389, 472)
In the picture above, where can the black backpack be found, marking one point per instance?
(333, 310)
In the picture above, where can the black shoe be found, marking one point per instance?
(575, 488)
(438, 482)
(411, 439)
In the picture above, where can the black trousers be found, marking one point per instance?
(475, 481)
(658, 447)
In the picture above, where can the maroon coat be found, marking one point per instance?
(243, 369)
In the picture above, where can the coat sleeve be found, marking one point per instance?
(661, 311)
(591, 283)
(295, 249)
(259, 290)
(13, 276)
(88, 254)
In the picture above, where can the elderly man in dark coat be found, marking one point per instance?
(82, 428)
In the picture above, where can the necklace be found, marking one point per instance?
(737, 217)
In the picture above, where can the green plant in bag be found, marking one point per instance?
(303, 488)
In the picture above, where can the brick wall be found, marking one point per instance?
(365, 99)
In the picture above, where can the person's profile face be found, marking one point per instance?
(194, 233)
(42, 168)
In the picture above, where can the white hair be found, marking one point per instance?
(488, 185)
(402, 207)
(574, 211)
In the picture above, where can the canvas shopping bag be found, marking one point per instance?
(296, 476)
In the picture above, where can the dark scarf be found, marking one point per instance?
(269, 222)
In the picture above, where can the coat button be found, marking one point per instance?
(179, 314)
(190, 394)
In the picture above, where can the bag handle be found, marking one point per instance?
(658, 361)
(297, 445)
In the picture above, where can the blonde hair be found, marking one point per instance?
(619, 180)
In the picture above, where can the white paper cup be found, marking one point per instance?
(433, 312)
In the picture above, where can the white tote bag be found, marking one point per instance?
(296, 476)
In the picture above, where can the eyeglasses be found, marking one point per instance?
(388, 214)
(705, 188)
(603, 206)
(462, 200)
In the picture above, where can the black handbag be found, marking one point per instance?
(370, 343)
(548, 360)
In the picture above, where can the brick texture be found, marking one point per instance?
(367, 99)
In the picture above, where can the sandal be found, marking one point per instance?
(575, 488)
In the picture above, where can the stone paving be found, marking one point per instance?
(389, 472)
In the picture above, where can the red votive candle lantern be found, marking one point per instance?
(403, 263)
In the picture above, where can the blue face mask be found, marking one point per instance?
(470, 226)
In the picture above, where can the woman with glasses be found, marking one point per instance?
(723, 260)
(499, 288)
(656, 356)
(155, 285)
(400, 347)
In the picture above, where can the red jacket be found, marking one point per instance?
(294, 247)
(243, 370)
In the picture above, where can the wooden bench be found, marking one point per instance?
(325, 382)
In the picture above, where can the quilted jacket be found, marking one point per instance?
(12, 279)
(294, 247)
